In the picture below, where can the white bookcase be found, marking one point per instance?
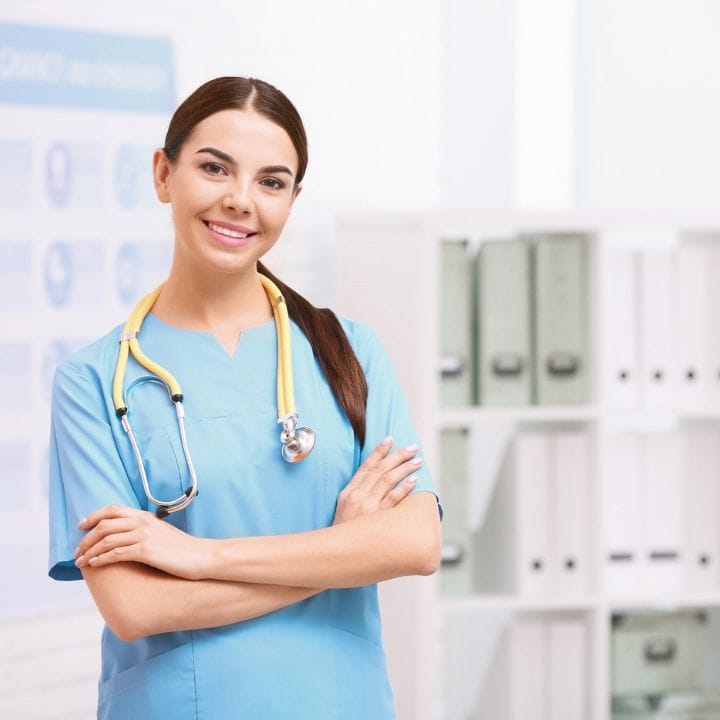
(440, 648)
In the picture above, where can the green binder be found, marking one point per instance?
(561, 317)
(503, 315)
(456, 362)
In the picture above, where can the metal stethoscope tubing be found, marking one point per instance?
(296, 442)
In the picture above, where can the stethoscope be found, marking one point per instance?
(296, 442)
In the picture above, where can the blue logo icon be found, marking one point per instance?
(58, 273)
(58, 171)
(128, 263)
(129, 176)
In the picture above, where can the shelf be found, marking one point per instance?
(488, 601)
(660, 601)
(462, 417)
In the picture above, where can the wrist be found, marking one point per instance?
(207, 559)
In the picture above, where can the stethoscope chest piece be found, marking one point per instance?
(297, 443)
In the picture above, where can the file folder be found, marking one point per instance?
(528, 687)
(568, 670)
(620, 333)
(533, 510)
(622, 511)
(660, 378)
(570, 520)
(456, 324)
(504, 335)
(665, 512)
(692, 326)
(456, 573)
(703, 513)
(561, 354)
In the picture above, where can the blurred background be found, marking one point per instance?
(532, 185)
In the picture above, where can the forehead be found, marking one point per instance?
(246, 135)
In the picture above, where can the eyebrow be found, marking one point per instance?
(231, 161)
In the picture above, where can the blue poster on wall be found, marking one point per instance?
(52, 66)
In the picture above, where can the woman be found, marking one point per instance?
(257, 599)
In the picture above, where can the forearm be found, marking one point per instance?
(137, 600)
(362, 551)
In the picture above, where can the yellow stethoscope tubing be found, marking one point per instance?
(129, 344)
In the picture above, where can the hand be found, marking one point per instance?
(375, 484)
(117, 533)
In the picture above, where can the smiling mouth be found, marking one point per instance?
(227, 232)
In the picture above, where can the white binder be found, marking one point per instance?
(621, 366)
(527, 687)
(532, 517)
(622, 511)
(713, 320)
(664, 505)
(691, 324)
(568, 670)
(660, 382)
(570, 517)
(703, 512)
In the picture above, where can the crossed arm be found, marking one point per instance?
(167, 580)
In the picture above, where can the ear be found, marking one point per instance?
(296, 192)
(161, 173)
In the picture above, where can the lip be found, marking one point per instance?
(230, 241)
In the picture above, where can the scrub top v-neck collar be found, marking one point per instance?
(259, 331)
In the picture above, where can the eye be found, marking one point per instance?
(213, 168)
(273, 183)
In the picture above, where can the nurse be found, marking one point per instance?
(259, 599)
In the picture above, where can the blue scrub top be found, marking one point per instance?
(318, 658)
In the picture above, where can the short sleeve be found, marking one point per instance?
(387, 412)
(86, 470)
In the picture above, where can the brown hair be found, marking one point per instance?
(323, 330)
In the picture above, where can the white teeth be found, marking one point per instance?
(227, 231)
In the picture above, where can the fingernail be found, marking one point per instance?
(412, 448)
(416, 461)
(93, 560)
(411, 480)
(386, 441)
(79, 560)
(81, 524)
(76, 552)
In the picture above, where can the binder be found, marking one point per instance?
(456, 362)
(620, 328)
(532, 517)
(568, 670)
(703, 494)
(692, 326)
(527, 687)
(504, 340)
(713, 320)
(561, 356)
(570, 516)
(622, 511)
(664, 503)
(456, 574)
(660, 381)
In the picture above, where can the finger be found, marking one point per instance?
(392, 461)
(401, 490)
(125, 553)
(103, 528)
(109, 511)
(107, 545)
(386, 482)
(371, 461)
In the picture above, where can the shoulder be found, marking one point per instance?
(365, 343)
(94, 363)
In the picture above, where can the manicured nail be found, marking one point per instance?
(81, 524)
(79, 560)
(412, 448)
(411, 480)
(93, 560)
(416, 461)
(386, 441)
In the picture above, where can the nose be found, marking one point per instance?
(238, 198)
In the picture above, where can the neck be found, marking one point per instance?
(194, 301)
